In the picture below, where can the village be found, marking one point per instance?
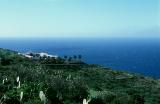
(53, 59)
(37, 56)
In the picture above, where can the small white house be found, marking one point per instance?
(28, 56)
(53, 56)
(43, 54)
(47, 55)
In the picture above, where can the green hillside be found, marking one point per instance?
(27, 81)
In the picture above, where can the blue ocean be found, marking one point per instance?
(140, 55)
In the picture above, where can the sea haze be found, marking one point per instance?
(133, 55)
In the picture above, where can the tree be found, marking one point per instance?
(75, 57)
(6, 61)
(65, 57)
(80, 57)
(70, 59)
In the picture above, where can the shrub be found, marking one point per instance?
(97, 101)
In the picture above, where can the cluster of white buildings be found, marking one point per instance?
(40, 55)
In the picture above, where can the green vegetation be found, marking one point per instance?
(26, 81)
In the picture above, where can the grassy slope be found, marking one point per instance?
(109, 84)
(71, 84)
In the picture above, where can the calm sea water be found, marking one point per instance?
(134, 55)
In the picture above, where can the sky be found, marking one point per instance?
(79, 18)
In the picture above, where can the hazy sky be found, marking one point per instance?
(78, 18)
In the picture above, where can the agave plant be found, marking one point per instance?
(85, 101)
(21, 95)
(42, 97)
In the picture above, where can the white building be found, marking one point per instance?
(39, 55)
(28, 56)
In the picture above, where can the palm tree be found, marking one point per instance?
(65, 57)
(79, 57)
(70, 59)
(75, 57)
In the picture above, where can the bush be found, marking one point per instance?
(97, 101)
